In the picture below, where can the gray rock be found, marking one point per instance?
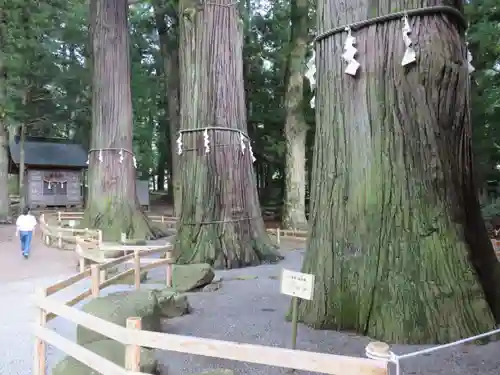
(212, 287)
(117, 307)
(187, 277)
(112, 351)
(172, 304)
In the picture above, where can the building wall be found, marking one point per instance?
(54, 187)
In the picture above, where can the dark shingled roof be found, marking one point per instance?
(49, 151)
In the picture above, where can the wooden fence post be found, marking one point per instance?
(59, 238)
(99, 237)
(133, 352)
(379, 351)
(137, 270)
(94, 277)
(39, 363)
(168, 270)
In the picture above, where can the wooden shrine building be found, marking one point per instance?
(54, 171)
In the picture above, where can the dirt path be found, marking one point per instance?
(43, 261)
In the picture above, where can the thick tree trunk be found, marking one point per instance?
(221, 222)
(112, 203)
(294, 215)
(169, 49)
(22, 167)
(4, 141)
(397, 242)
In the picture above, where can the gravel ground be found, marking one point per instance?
(249, 311)
(252, 311)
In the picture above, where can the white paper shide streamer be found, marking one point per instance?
(410, 55)
(206, 141)
(242, 143)
(470, 67)
(179, 144)
(251, 151)
(311, 75)
(349, 54)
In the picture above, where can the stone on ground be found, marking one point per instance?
(117, 307)
(188, 277)
(130, 279)
(112, 351)
(172, 304)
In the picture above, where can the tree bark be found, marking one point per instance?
(397, 242)
(112, 204)
(169, 49)
(294, 215)
(4, 141)
(221, 222)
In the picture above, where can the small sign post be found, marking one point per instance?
(297, 285)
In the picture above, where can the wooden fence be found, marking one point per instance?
(134, 338)
(61, 235)
(64, 234)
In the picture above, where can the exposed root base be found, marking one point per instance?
(435, 298)
(118, 218)
(224, 246)
(294, 221)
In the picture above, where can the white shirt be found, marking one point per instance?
(26, 223)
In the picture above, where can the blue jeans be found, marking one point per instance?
(25, 237)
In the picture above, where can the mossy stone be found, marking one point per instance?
(171, 303)
(187, 277)
(112, 351)
(117, 307)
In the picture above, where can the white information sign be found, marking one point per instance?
(72, 223)
(297, 284)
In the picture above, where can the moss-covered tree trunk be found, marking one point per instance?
(112, 203)
(4, 140)
(294, 215)
(221, 221)
(169, 49)
(397, 242)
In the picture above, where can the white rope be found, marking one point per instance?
(394, 358)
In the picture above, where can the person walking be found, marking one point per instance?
(25, 228)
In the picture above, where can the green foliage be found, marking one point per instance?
(484, 16)
(491, 210)
(44, 44)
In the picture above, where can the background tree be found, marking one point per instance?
(294, 215)
(169, 52)
(397, 240)
(112, 202)
(220, 221)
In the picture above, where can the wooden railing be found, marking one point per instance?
(66, 235)
(64, 217)
(94, 252)
(134, 338)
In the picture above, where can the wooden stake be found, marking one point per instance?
(137, 270)
(133, 352)
(94, 276)
(59, 238)
(39, 363)
(168, 270)
(99, 237)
